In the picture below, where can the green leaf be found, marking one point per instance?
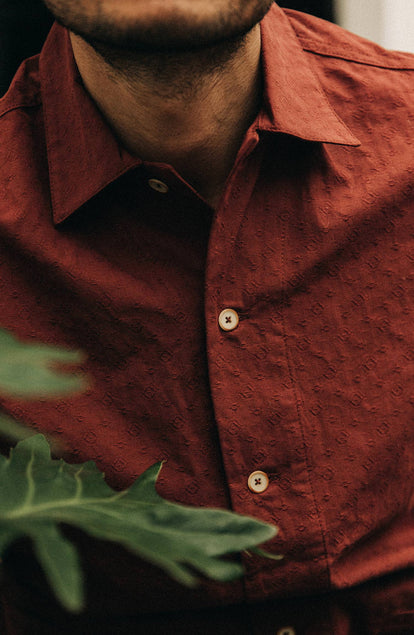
(37, 493)
(264, 554)
(13, 430)
(60, 561)
(29, 370)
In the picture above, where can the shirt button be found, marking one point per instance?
(228, 320)
(258, 482)
(288, 630)
(158, 186)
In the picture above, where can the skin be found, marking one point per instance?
(179, 81)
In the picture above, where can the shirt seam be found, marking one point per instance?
(51, 168)
(309, 46)
(18, 106)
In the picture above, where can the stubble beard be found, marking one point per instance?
(160, 31)
(161, 49)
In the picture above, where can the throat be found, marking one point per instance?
(198, 129)
(206, 171)
(213, 195)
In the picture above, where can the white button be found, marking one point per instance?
(228, 320)
(258, 482)
(288, 630)
(158, 186)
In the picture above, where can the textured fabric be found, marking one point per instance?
(312, 246)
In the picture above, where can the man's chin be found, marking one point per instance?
(184, 26)
(160, 44)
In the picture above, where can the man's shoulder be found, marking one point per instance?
(330, 40)
(21, 123)
(22, 145)
(24, 91)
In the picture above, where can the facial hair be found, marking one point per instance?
(172, 55)
(168, 30)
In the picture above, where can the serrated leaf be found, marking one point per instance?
(37, 493)
(27, 370)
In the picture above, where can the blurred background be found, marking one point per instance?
(24, 25)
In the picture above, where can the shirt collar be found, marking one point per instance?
(296, 102)
(84, 155)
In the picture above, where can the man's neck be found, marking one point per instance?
(190, 111)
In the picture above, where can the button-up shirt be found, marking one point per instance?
(272, 335)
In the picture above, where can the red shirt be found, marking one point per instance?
(311, 249)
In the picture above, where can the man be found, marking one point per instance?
(214, 199)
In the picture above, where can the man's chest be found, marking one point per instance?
(313, 386)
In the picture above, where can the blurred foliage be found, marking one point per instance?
(38, 492)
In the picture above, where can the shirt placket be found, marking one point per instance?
(265, 457)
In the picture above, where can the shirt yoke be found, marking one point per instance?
(327, 39)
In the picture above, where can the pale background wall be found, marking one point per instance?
(388, 22)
